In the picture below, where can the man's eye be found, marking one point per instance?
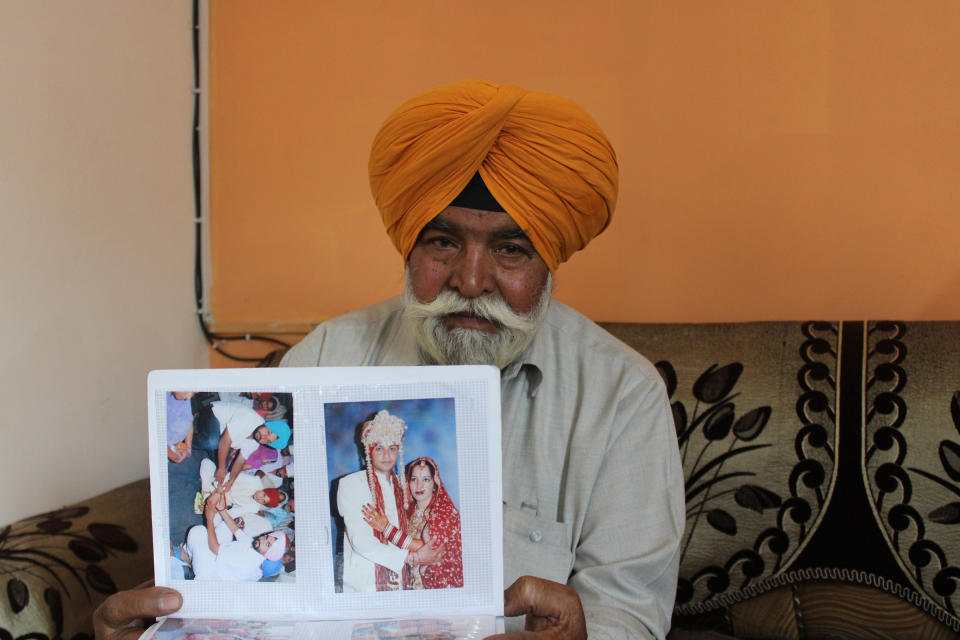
(435, 239)
(513, 250)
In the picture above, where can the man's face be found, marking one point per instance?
(263, 435)
(384, 458)
(265, 404)
(470, 273)
(264, 542)
(477, 253)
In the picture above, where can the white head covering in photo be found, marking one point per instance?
(386, 430)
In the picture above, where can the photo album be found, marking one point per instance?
(327, 502)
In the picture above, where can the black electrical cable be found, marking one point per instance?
(215, 340)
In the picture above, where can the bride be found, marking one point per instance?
(431, 517)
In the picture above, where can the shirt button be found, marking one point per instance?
(535, 536)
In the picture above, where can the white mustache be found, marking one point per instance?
(491, 308)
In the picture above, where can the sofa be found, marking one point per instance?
(822, 465)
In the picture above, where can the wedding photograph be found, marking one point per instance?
(394, 495)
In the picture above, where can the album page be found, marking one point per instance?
(328, 494)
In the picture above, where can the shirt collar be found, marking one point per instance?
(383, 477)
(402, 349)
(531, 363)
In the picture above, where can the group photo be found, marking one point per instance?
(230, 468)
(394, 495)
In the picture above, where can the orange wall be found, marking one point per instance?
(779, 160)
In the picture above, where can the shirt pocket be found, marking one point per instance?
(534, 546)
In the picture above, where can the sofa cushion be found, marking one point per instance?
(56, 567)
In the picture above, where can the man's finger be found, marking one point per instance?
(549, 607)
(518, 598)
(125, 608)
(529, 595)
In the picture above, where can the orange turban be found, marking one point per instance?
(542, 157)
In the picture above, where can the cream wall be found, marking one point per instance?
(96, 242)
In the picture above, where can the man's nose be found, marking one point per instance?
(474, 273)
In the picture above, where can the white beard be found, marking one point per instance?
(439, 345)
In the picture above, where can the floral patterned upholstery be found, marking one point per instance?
(817, 455)
(56, 567)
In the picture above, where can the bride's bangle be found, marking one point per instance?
(397, 537)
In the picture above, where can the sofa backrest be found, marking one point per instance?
(815, 451)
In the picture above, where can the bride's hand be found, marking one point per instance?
(373, 517)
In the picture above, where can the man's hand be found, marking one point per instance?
(553, 610)
(219, 499)
(211, 506)
(220, 475)
(124, 615)
(178, 452)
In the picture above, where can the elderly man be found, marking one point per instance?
(485, 190)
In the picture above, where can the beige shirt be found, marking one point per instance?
(592, 484)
